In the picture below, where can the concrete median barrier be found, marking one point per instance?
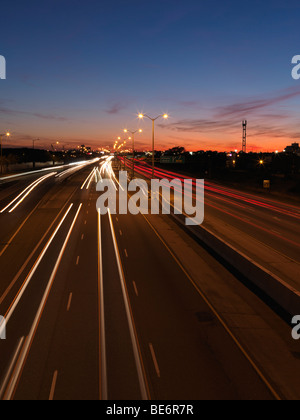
(281, 292)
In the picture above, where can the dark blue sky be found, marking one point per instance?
(78, 72)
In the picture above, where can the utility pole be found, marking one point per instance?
(244, 145)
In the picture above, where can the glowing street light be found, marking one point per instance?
(164, 116)
(7, 134)
(132, 138)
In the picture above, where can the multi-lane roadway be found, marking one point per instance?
(264, 228)
(125, 307)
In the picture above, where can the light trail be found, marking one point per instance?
(87, 179)
(290, 210)
(26, 347)
(26, 192)
(73, 169)
(17, 299)
(93, 176)
(77, 166)
(132, 329)
(148, 174)
(5, 178)
(102, 336)
(269, 204)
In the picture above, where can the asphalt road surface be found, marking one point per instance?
(250, 222)
(100, 307)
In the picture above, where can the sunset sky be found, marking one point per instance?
(79, 72)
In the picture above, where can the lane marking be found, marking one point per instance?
(125, 252)
(135, 288)
(69, 302)
(145, 394)
(154, 360)
(82, 236)
(77, 261)
(18, 230)
(212, 308)
(53, 386)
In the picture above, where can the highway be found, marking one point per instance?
(130, 307)
(266, 229)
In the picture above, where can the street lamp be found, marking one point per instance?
(165, 116)
(33, 143)
(132, 133)
(2, 135)
(54, 150)
(124, 159)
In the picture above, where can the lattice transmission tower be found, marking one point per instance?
(244, 145)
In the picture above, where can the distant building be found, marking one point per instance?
(294, 148)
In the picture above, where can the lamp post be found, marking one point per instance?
(165, 116)
(2, 135)
(124, 159)
(54, 150)
(119, 151)
(33, 143)
(133, 133)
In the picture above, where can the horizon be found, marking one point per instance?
(96, 150)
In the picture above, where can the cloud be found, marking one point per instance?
(189, 104)
(272, 131)
(8, 111)
(198, 125)
(262, 119)
(244, 109)
(116, 108)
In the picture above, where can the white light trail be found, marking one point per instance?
(87, 179)
(29, 277)
(93, 175)
(30, 337)
(26, 192)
